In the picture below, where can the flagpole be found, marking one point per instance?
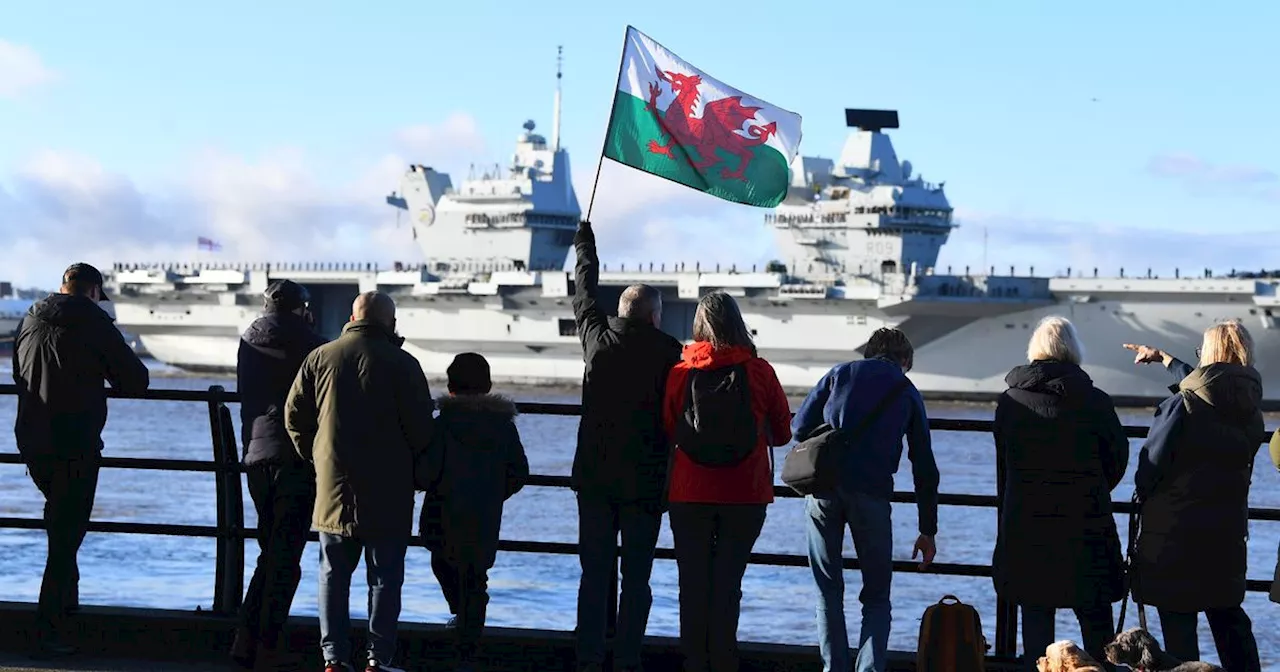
(595, 186)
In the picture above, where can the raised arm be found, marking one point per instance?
(590, 319)
(1146, 354)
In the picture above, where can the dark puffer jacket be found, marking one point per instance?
(66, 346)
(1060, 450)
(271, 352)
(475, 463)
(1193, 479)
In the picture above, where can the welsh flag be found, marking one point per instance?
(671, 119)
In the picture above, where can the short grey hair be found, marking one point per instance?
(374, 307)
(719, 321)
(640, 302)
(1055, 338)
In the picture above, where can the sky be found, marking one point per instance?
(1088, 134)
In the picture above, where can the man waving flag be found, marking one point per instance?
(671, 119)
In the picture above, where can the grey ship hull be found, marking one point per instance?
(964, 348)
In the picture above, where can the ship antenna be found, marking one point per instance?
(555, 125)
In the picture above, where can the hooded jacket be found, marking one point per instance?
(66, 347)
(271, 352)
(475, 463)
(361, 412)
(1060, 451)
(751, 480)
(1193, 481)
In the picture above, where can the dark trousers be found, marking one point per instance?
(600, 521)
(283, 497)
(1097, 629)
(69, 486)
(1232, 633)
(466, 589)
(713, 546)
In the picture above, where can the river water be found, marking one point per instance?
(533, 590)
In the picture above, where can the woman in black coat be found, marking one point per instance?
(1193, 485)
(1060, 450)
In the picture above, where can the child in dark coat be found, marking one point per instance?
(474, 464)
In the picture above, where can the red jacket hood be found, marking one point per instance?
(702, 355)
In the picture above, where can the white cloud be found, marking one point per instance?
(21, 69)
(1198, 175)
(1054, 245)
(58, 208)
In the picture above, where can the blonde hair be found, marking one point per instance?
(1227, 343)
(1055, 338)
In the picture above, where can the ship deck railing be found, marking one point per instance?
(537, 649)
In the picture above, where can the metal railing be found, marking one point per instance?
(230, 532)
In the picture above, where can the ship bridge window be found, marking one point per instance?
(889, 267)
(568, 327)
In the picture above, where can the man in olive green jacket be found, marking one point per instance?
(360, 411)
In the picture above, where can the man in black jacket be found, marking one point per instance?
(66, 346)
(282, 485)
(620, 467)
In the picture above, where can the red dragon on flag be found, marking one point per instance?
(719, 126)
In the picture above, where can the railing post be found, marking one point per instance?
(228, 584)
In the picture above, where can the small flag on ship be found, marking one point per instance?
(203, 243)
(673, 120)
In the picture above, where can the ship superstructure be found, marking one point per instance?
(858, 241)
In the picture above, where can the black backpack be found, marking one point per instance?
(717, 427)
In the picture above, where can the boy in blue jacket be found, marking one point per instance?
(474, 464)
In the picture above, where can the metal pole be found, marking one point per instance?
(228, 583)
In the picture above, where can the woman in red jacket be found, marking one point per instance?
(723, 409)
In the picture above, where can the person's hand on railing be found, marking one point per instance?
(1148, 355)
(925, 545)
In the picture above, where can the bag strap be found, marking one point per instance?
(865, 421)
(1135, 527)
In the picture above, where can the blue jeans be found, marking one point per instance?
(384, 567)
(868, 519)
(599, 523)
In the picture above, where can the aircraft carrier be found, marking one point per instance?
(858, 240)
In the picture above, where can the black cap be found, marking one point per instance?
(285, 296)
(84, 275)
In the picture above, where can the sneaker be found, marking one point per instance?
(375, 666)
(330, 666)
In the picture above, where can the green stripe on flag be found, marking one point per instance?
(632, 128)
